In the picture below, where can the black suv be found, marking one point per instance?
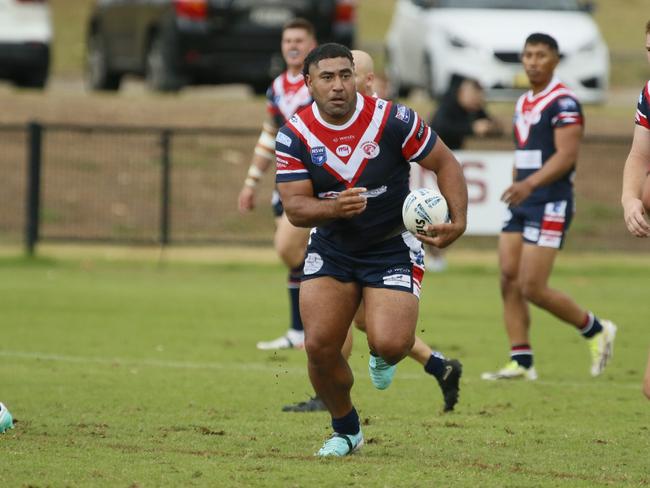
(173, 43)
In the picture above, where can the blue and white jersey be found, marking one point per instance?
(371, 150)
(536, 118)
(643, 108)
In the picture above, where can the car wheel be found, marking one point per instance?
(159, 68)
(260, 87)
(34, 78)
(98, 73)
(396, 88)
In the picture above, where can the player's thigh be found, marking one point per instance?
(510, 250)
(390, 315)
(327, 307)
(536, 265)
(290, 241)
(360, 318)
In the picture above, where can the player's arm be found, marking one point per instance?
(567, 143)
(303, 209)
(263, 158)
(451, 181)
(634, 175)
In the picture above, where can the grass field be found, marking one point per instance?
(124, 372)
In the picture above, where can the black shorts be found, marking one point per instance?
(276, 204)
(396, 263)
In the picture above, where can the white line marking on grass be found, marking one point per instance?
(273, 368)
(152, 363)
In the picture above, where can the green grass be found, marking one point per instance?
(125, 373)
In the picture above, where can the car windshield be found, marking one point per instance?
(510, 4)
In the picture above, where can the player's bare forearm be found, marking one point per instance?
(634, 176)
(567, 143)
(451, 181)
(303, 209)
(453, 186)
(636, 165)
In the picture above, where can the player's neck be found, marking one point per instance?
(540, 87)
(294, 72)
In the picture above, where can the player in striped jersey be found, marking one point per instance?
(635, 177)
(548, 127)
(286, 95)
(447, 372)
(342, 168)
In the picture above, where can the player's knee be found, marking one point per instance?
(393, 350)
(508, 282)
(534, 293)
(320, 352)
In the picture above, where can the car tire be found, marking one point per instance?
(160, 72)
(34, 78)
(396, 87)
(99, 76)
(260, 87)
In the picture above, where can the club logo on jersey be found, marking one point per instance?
(343, 151)
(318, 155)
(403, 114)
(567, 104)
(370, 149)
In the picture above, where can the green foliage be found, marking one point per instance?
(137, 374)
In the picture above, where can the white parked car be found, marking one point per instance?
(429, 41)
(25, 37)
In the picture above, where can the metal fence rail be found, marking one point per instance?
(63, 182)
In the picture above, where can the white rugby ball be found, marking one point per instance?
(422, 207)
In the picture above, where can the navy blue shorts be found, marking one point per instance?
(276, 204)
(544, 225)
(396, 263)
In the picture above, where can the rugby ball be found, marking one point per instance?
(422, 207)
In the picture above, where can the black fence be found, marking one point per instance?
(128, 184)
(180, 185)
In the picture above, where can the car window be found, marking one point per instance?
(509, 4)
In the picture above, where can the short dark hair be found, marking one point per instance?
(647, 27)
(326, 51)
(539, 38)
(300, 23)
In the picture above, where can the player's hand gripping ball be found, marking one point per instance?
(422, 207)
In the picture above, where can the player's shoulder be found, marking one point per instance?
(565, 98)
(402, 116)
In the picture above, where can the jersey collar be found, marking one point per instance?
(555, 81)
(355, 115)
